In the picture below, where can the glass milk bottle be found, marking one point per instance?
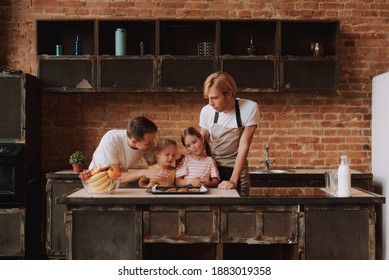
(344, 178)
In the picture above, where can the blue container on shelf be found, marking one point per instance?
(120, 42)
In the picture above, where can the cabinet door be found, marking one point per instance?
(259, 224)
(104, 233)
(55, 220)
(186, 74)
(252, 74)
(309, 74)
(136, 73)
(174, 224)
(12, 223)
(339, 232)
(67, 74)
(12, 96)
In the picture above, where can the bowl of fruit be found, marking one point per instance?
(103, 180)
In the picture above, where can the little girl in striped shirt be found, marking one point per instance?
(198, 167)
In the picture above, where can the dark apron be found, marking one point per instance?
(225, 144)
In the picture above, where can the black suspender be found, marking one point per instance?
(237, 113)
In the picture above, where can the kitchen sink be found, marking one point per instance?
(270, 171)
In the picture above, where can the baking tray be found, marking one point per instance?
(156, 189)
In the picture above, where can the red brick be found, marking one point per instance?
(286, 120)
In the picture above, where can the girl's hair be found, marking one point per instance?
(193, 131)
(164, 142)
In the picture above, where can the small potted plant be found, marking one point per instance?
(77, 160)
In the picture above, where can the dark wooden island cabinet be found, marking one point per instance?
(284, 223)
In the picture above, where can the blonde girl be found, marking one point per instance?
(198, 168)
(165, 155)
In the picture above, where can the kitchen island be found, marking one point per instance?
(282, 223)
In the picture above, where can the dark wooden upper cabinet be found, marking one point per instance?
(133, 70)
(309, 55)
(66, 72)
(248, 51)
(178, 55)
(188, 54)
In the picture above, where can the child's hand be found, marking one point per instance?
(194, 182)
(151, 184)
(205, 181)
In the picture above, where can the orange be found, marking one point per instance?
(113, 174)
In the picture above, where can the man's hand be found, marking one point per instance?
(85, 175)
(156, 173)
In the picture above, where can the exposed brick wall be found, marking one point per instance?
(304, 129)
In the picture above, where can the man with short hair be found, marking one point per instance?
(120, 149)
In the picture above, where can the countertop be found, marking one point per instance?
(138, 196)
(70, 174)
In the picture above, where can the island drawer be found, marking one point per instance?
(181, 224)
(253, 224)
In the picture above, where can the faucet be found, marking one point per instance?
(266, 163)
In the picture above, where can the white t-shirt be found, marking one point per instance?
(113, 148)
(249, 113)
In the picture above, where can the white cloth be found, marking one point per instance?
(249, 113)
(113, 148)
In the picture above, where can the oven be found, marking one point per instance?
(12, 173)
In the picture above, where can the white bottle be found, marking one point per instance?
(344, 178)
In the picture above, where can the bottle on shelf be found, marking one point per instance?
(252, 49)
(78, 46)
(120, 42)
(344, 178)
(142, 48)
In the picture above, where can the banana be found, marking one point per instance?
(96, 177)
(94, 171)
(98, 182)
(103, 186)
(106, 189)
